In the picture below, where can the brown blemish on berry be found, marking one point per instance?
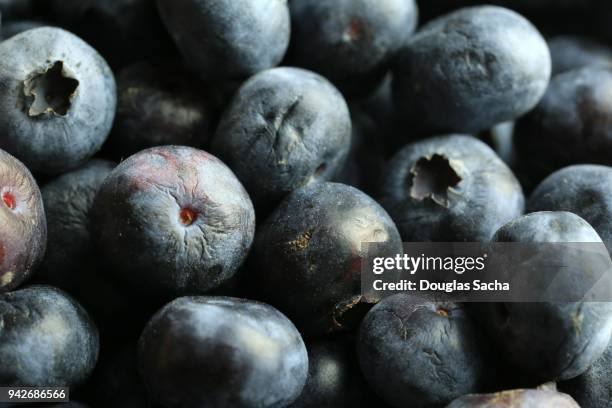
(187, 216)
(9, 200)
(301, 242)
(442, 311)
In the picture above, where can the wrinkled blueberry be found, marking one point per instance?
(57, 100)
(285, 128)
(450, 188)
(23, 231)
(423, 354)
(570, 125)
(470, 70)
(307, 254)
(351, 42)
(222, 352)
(172, 220)
(229, 39)
(549, 340)
(46, 339)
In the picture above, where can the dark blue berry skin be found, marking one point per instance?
(461, 191)
(67, 200)
(23, 230)
(548, 341)
(593, 388)
(307, 255)
(570, 52)
(334, 377)
(12, 28)
(585, 190)
(570, 125)
(11, 9)
(159, 104)
(470, 70)
(46, 339)
(123, 31)
(228, 39)
(285, 128)
(423, 354)
(222, 352)
(350, 42)
(172, 220)
(57, 99)
(516, 398)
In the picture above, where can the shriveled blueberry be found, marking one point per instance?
(569, 52)
(471, 69)
(46, 339)
(583, 189)
(159, 104)
(334, 377)
(222, 352)
(549, 340)
(285, 128)
(423, 354)
(23, 231)
(123, 31)
(351, 42)
(593, 388)
(307, 255)
(172, 220)
(521, 398)
(229, 39)
(450, 188)
(12, 28)
(571, 125)
(57, 100)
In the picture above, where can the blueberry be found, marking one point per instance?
(450, 188)
(470, 70)
(172, 220)
(593, 389)
(57, 102)
(285, 128)
(46, 339)
(351, 42)
(230, 39)
(516, 398)
(11, 9)
(549, 340)
(67, 200)
(23, 231)
(222, 352)
(12, 28)
(570, 125)
(334, 378)
(307, 254)
(123, 31)
(159, 105)
(585, 190)
(422, 354)
(570, 52)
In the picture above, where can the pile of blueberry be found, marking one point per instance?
(185, 187)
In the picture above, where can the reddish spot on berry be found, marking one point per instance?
(1, 254)
(187, 216)
(9, 200)
(354, 31)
